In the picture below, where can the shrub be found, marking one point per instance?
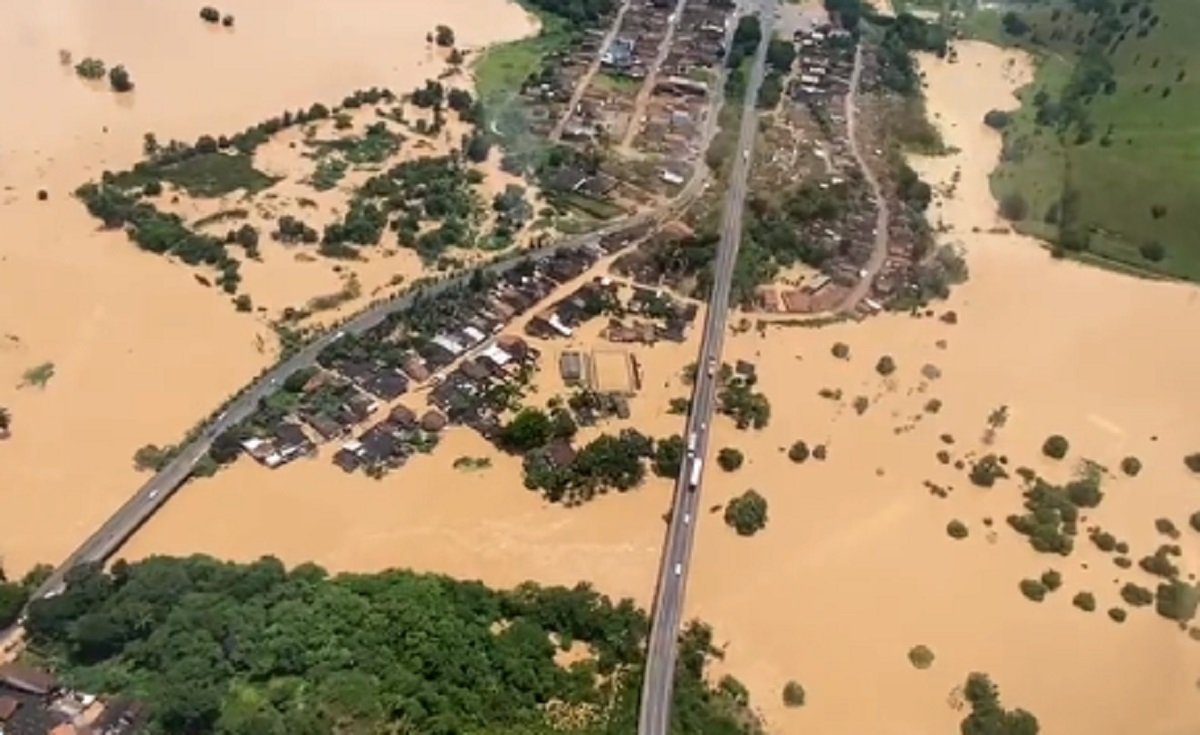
(819, 452)
(243, 303)
(1103, 540)
(227, 21)
(861, 403)
(1013, 207)
(1193, 462)
(1117, 614)
(956, 529)
(1033, 589)
(1136, 596)
(444, 36)
(841, 350)
(119, 80)
(886, 366)
(747, 513)
(1052, 579)
(730, 459)
(1055, 446)
(43, 195)
(997, 119)
(1194, 521)
(798, 452)
(1166, 527)
(1131, 466)
(986, 470)
(1152, 251)
(1085, 601)
(90, 68)
(1158, 211)
(793, 694)
(210, 14)
(920, 657)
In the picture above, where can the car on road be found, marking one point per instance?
(678, 569)
(153, 494)
(712, 366)
(687, 519)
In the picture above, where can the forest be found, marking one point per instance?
(220, 647)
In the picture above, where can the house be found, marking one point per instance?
(473, 370)
(433, 421)
(514, 346)
(361, 406)
(262, 451)
(326, 427)
(347, 457)
(119, 716)
(27, 679)
(570, 367)
(378, 444)
(403, 417)
(414, 366)
(560, 453)
(291, 441)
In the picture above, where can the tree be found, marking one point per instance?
(988, 716)
(1152, 251)
(730, 459)
(1131, 466)
(529, 429)
(210, 14)
(5, 422)
(886, 366)
(841, 350)
(90, 68)
(1192, 461)
(986, 470)
(1194, 521)
(1033, 589)
(920, 656)
(1013, 207)
(747, 513)
(152, 188)
(668, 456)
(1013, 24)
(793, 694)
(12, 601)
(444, 36)
(227, 21)
(119, 79)
(956, 529)
(1085, 601)
(477, 147)
(780, 55)
(247, 237)
(152, 457)
(997, 119)
(1055, 446)
(798, 452)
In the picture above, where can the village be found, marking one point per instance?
(458, 350)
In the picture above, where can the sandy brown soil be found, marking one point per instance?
(141, 351)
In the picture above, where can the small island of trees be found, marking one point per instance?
(747, 513)
(730, 459)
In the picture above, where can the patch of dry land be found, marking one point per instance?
(139, 350)
(855, 566)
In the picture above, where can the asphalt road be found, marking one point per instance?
(654, 714)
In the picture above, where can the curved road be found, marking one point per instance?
(654, 715)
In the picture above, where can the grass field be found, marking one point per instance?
(204, 175)
(1136, 178)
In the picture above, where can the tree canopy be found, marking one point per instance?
(747, 513)
(215, 647)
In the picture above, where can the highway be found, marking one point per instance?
(654, 715)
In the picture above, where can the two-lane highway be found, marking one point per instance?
(658, 685)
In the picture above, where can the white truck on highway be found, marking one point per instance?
(694, 478)
(691, 445)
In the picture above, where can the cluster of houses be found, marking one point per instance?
(33, 702)
(825, 62)
(360, 375)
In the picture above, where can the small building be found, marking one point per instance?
(403, 416)
(415, 368)
(346, 458)
(570, 367)
(27, 679)
(8, 707)
(473, 370)
(433, 421)
(326, 427)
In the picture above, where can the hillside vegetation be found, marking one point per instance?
(256, 649)
(1102, 157)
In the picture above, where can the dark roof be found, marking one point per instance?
(346, 459)
(560, 452)
(415, 367)
(433, 421)
(290, 434)
(27, 679)
(403, 415)
(472, 369)
(324, 425)
(8, 706)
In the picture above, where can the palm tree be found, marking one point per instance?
(5, 421)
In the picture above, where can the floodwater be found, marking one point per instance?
(854, 567)
(140, 349)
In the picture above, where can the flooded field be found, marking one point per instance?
(139, 351)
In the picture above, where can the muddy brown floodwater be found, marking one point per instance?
(854, 567)
(140, 350)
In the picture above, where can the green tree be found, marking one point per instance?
(956, 529)
(747, 513)
(798, 452)
(153, 457)
(119, 79)
(793, 694)
(210, 14)
(1085, 601)
(668, 456)
(780, 55)
(444, 36)
(529, 429)
(1055, 446)
(730, 459)
(885, 366)
(5, 421)
(12, 600)
(988, 716)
